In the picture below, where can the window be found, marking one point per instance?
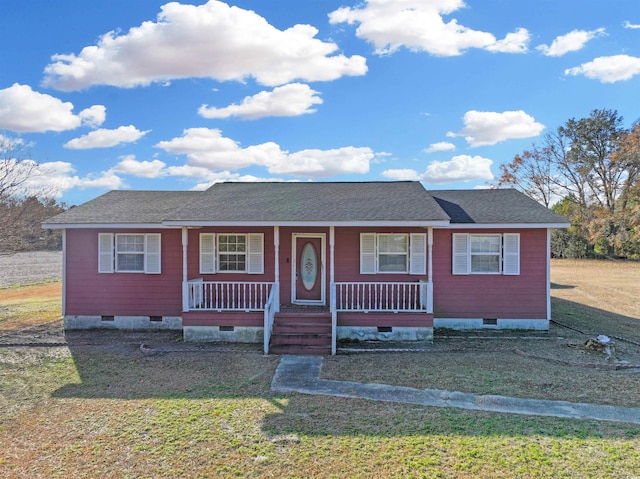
(392, 253)
(232, 253)
(129, 253)
(486, 253)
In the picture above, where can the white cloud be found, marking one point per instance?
(25, 110)
(440, 146)
(516, 42)
(628, 24)
(211, 177)
(608, 69)
(93, 117)
(57, 177)
(419, 26)
(324, 163)
(289, 100)
(402, 174)
(459, 168)
(213, 40)
(207, 148)
(488, 128)
(104, 138)
(143, 169)
(570, 42)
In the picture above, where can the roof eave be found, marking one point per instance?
(322, 223)
(62, 226)
(508, 225)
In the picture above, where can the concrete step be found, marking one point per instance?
(301, 350)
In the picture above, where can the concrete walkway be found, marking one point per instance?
(301, 374)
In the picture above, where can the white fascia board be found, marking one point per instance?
(371, 224)
(471, 226)
(56, 226)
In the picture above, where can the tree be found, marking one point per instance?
(22, 210)
(593, 164)
(15, 168)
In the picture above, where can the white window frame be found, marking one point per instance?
(118, 253)
(210, 253)
(220, 254)
(416, 258)
(108, 253)
(497, 254)
(509, 255)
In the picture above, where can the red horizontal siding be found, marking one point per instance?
(492, 296)
(347, 256)
(121, 294)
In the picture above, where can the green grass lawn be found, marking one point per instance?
(108, 411)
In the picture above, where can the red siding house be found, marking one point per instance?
(299, 266)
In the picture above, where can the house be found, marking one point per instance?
(298, 266)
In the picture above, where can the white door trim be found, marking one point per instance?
(294, 259)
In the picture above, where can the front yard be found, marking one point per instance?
(94, 405)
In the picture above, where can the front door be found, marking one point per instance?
(308, 269)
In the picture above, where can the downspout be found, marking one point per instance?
(185, 283)
(276, 247)
(430, 270)
(64, 272)
(548, 274)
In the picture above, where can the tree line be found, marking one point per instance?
(587, 170)
(22, 210)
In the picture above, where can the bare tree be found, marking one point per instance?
(16, 167)
(22, 209)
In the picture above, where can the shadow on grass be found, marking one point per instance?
(562, 286)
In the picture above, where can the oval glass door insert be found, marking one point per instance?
(309, 261)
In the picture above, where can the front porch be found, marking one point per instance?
(251, 311)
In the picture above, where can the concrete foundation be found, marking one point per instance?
(499, 323)
(209, 334)
(365, 333)
(122, 322)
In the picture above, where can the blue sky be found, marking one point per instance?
(118, 94)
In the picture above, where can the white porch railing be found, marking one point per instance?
(270, 310)
(228, 295)
(393, 297)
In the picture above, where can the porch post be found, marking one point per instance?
(332, 290)
(332, 240)
(185, 284)
(276, 247)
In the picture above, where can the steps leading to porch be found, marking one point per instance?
(301, 332)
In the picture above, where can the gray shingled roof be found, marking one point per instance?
(403, 201)
(321, 201)
(126, 207)
(492, 206)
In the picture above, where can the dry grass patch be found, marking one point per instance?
(32, 305)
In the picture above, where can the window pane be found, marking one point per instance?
(130, 262)
(130, 243)
(394, 263)
(232, 262)
(485, 244)
(485, 263)
(392, 243)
